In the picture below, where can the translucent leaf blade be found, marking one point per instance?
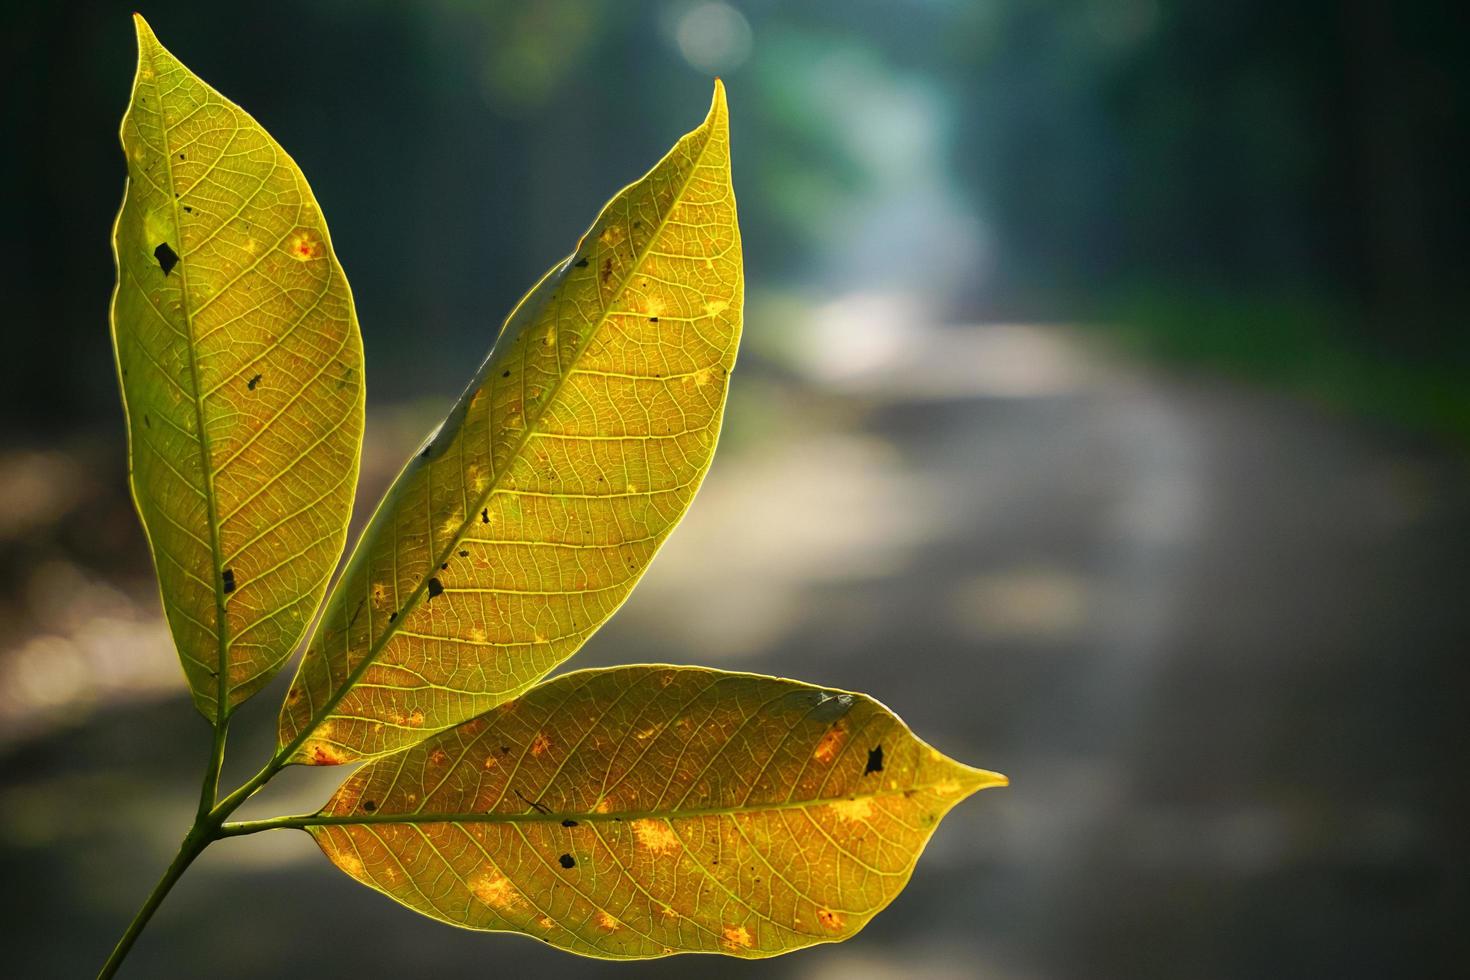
(529, 515)
(642, 811)
(240, 364)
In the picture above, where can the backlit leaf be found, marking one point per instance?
(529, 514)
(241, 370)
(642, 811)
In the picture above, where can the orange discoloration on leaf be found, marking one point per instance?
(304, 246)
(830, 744)
(858, 809)
(656, 835)
(829, 919)
(738, 937)
(495, 890)
(349, 862)
(324, 754)
(606, 921)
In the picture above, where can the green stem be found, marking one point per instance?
(194, 844)
(206, 829)
(300, 821)
(210, 790)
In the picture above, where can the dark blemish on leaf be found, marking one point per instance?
(485, 515)
(617, 819)
(181, 156)
(228, 575)
(392, 616)
(443, 566)
(505, 373)
(188, 209)
(569, 823)
(147, 422)
(581, 264)
(360, 603)
(875, 761)
(567, 861)
(167, 257)
(606, 270)
(436, 588)
(369, 806)
(463, 553)
(653, 319)
(538, 807)
(253, 382)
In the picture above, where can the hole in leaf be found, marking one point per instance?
(167, 257)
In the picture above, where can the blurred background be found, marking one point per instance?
(1103, 409)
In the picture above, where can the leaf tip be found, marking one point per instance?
(718, 111)
(985, 779)
(973, 780)
(145, 33)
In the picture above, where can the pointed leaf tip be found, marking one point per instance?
(718, 110)
(143, 29)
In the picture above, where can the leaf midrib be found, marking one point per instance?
(221, 702)
(320, 819)
(493, 485)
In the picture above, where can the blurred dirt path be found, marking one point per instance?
(1216, 637)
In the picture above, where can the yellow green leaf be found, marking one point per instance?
(530, 513)
(241, 370)
(641, 811)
